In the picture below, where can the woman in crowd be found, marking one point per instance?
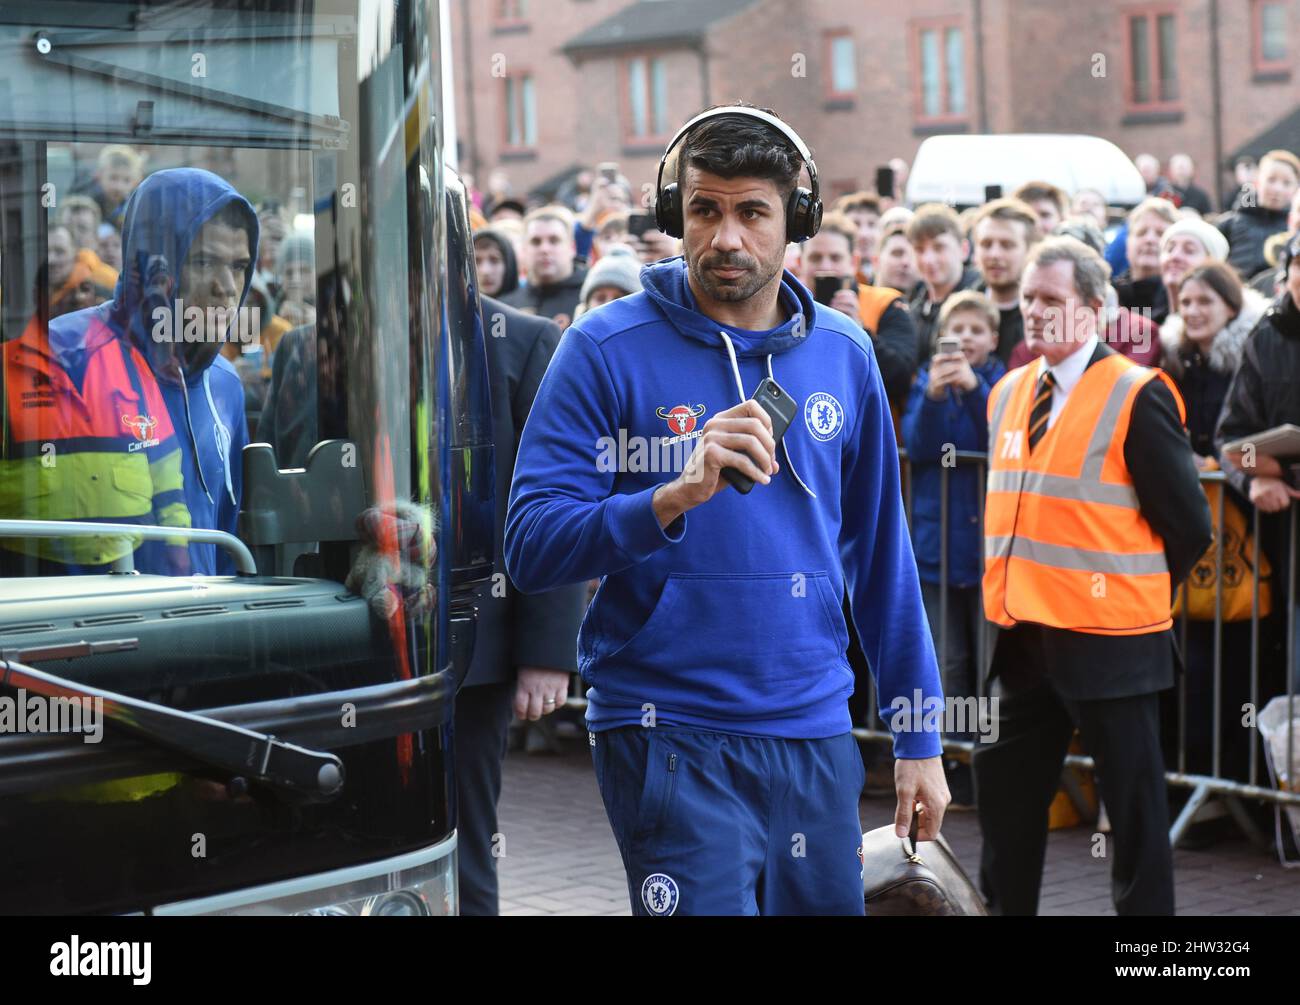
(1202, 346)
(1262, 396)
(1141, 286)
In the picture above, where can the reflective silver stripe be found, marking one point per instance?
(1062, 487)
(1104, 431)
(1000, 406)
(1064, 557)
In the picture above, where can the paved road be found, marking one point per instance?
(560, 857)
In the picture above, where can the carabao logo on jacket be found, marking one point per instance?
(823, 415)
(141, 426)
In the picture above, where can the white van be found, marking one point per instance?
(956, 169)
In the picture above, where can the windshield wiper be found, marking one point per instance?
(243, 752)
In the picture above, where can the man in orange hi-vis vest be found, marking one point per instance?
(1094, 515)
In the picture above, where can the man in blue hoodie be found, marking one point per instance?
(715, 646)
(189, 247)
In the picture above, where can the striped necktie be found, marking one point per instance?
(1042, 410)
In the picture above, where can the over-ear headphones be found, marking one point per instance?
(803, 210)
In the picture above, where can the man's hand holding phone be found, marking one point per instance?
(732, 439)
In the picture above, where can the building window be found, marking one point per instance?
(1152, 60)
(939, 77)
(646, 94)
(1268, 20)
(507, 13)
(842, 65)
(521, 112)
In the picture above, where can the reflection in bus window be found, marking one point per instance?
(124, 412)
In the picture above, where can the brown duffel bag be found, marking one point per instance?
(901, 878)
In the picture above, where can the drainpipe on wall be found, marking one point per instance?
(705, 90)
(1217, 102)
(470, 110)
(977, 16)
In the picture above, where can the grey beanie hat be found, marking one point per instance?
(618, 267)
(297, 247)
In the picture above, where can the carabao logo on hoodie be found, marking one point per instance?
(681, 419)
(823, 415)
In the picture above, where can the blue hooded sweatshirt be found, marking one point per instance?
(161, 220)
(929, 426)
(730, 619)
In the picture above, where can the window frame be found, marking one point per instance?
(829, 91)
(517, 78)
(1151, 13)
(939, 25)
(631, 138)
(514, 21)
(1273, 68)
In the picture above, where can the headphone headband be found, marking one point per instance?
(753, 113)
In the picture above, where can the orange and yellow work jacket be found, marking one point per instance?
(102, 449)
(1065, 541)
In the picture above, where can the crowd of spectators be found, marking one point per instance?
(1211, 298)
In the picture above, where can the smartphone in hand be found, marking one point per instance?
(825, 287)
(639, 223)
(781, 409)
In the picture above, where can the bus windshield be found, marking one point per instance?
(220, 225)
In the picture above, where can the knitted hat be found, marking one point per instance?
(297, 247)
(618, 267)
(1215, 244)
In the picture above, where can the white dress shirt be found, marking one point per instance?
(1066, 374)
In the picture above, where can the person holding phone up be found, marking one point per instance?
(828, 264)
(715, 648)
(946, 412)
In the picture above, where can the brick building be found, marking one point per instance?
(545, 86)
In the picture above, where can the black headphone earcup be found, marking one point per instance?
(668, 211)
(803, 215)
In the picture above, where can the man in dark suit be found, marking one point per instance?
(525, 646)
(1094, 515)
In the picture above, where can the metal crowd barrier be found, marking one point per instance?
(1205, 788)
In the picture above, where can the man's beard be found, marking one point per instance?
(742, 287)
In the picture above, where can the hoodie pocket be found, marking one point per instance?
(768, 624)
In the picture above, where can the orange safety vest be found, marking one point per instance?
(872, 302)
(1065, 542)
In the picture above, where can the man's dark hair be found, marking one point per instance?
(736, 146)
(233, 214)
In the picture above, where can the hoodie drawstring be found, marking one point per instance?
(740, 397)
(219, 431)
(784, 448)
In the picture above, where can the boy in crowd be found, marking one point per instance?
(941, 252)
(946, 411)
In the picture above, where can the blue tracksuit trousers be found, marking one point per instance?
(722, 824)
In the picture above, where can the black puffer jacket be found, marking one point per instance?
(1265, 393)
(1266, 390)
(1247, 229)
(1147, 295)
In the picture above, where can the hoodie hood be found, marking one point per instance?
(1225, 349)
(161, 220)
(510, 272)
(666, 284)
